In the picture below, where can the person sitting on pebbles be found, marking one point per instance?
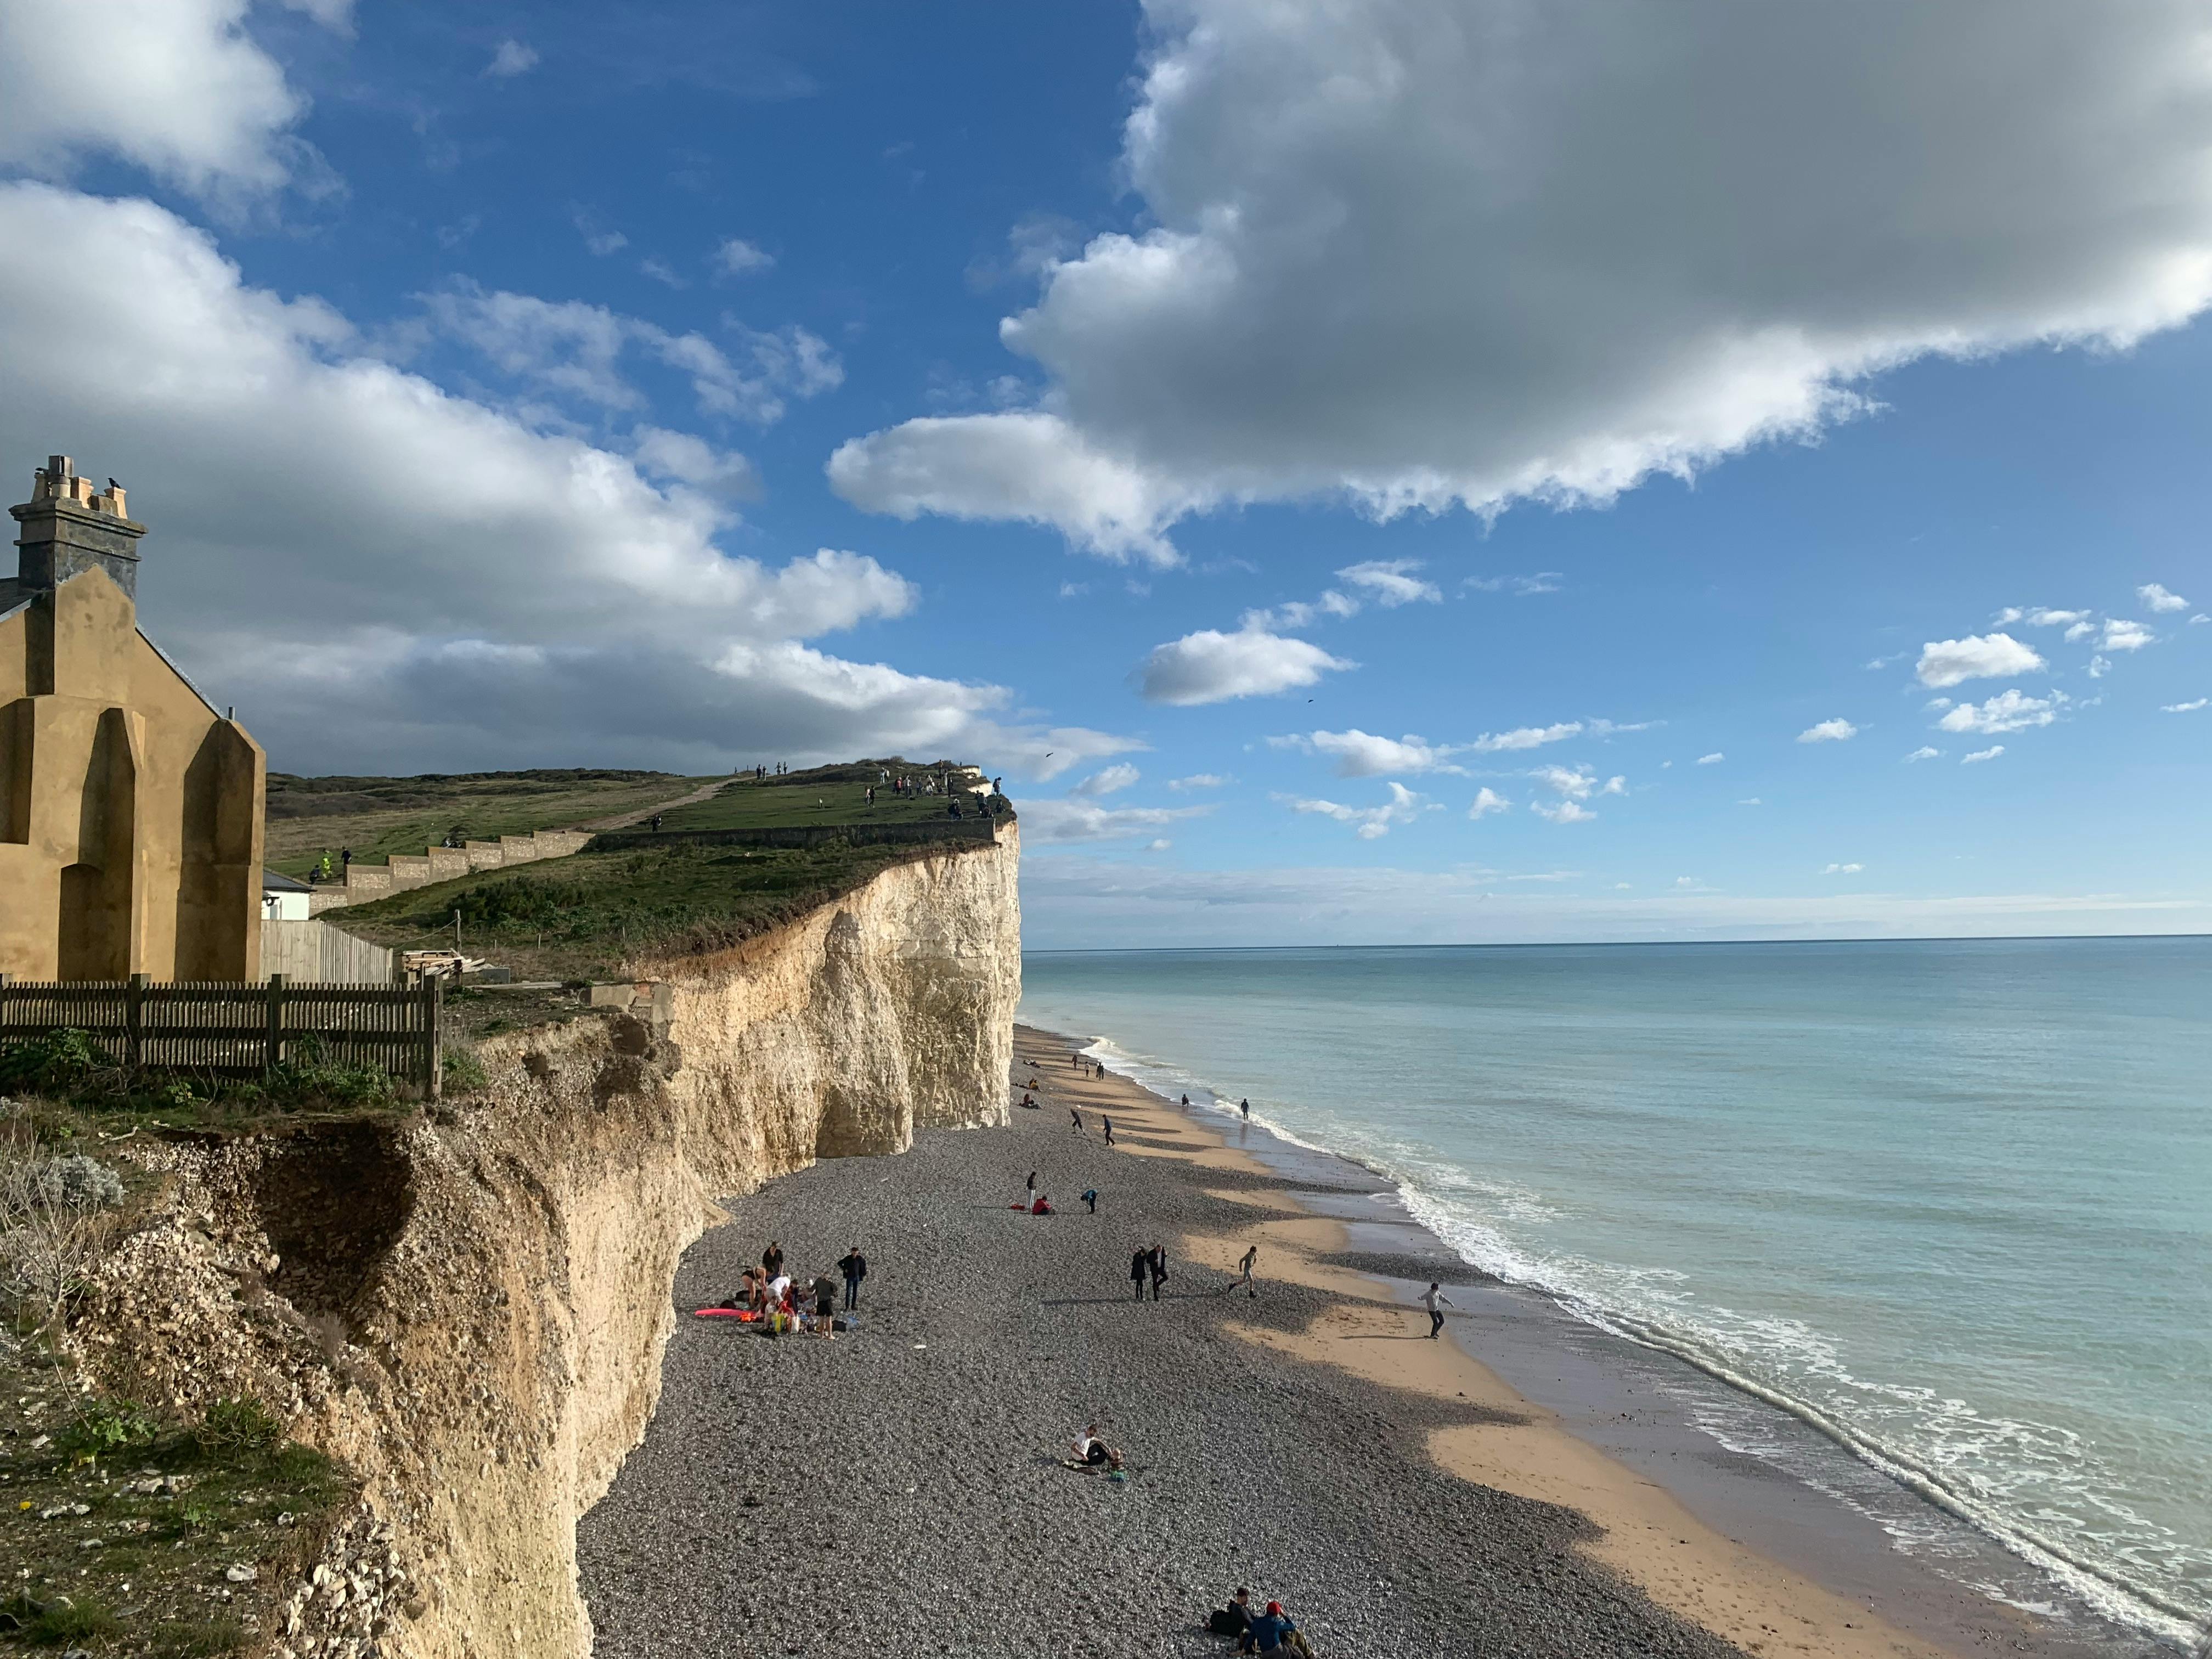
(1273, 1634)
(1093, 1453)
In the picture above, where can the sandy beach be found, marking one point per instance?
(902, 1486)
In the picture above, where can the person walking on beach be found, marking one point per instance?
(855, 1266)
(1250, 1257)
(1107, 1123)
(1436, 1302)
(1141, 1262)
(1159, 1268)
(1075, 1118)
(1245, 1107)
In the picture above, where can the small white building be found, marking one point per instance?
(284, 898)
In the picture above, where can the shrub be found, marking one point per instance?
(102, 1428)
(61, 1622)
(59, 1063)
(310, 1077)
(75, 1182)
(239, 1423)
(464, 1072)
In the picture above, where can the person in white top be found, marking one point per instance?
(1436, 1302)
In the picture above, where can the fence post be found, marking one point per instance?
(272, 1053)
(434, 1003)
(134, 1020)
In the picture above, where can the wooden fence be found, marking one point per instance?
(314, 952)
(226, 1028)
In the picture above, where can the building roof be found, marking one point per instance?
(274, 881)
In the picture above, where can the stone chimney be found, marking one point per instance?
(70, 527)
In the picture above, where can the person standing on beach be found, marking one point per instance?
(1158, 1264)
(1245, 1107)
(1436, 1302)
(1108, 1124)
(855, 1266)
(1250, 1257)
(1029, 1186)
(772, 1260)
(1140, 1263)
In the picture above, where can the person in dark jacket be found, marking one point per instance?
(855, 1266)
(772, 1260)
(1158, 1263)
(1140, 1265)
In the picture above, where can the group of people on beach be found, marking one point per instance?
(1148, 1265)
(782, 1303)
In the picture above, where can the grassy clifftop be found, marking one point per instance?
(588, 916)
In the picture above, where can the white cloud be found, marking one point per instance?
(2038, 615)
(600, 244)
(1713, 759)
(569, 350)
(1198, 781)
(1159, 844)
(735, 257)
(1979, 657)
(2190, 707)
(1362, 755)
(1107, 781)
(1373, 822)
(2122, 635)
(2009, 711)
(1835, 731)
(594, 618)
(1027, 465)
(513, 59)
(2076, 632)
(1842, 870)
(1525, 737)
(693, 460)
(1488, 801)
(1540, 581)
(1211, 666)
(1575, 786)
(1752, 800)
(2199, 618)
(176, 87)
(662, 272)
(2156, 596)
(1298, 613)
(1980, 755)
(2099, 667)
(1421, 253)
(1047, 823)
(1924, 752)
(1392, 581)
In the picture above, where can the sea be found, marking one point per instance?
(1949, 1201)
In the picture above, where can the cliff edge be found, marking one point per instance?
(471, 1310)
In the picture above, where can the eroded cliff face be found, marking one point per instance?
(471, 1309)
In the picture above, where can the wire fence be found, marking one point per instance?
(229, 1029)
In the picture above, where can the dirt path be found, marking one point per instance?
(623, 820)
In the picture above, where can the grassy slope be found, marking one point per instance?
(826, 794)
(377, 816)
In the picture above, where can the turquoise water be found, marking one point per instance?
(1950, 1201)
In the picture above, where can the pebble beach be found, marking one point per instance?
(900, 1490)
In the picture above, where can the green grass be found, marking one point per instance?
(826, 794)
(378, 817)
(592, 915)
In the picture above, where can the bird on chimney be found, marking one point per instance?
(111, 483)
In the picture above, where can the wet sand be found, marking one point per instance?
(1593, 1422)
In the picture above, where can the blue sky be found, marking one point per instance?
(1442, 426)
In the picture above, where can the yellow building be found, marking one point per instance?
(130, 808)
